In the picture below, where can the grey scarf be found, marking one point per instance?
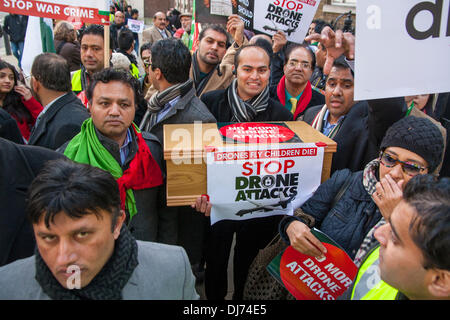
(246, 111)
(159, 100)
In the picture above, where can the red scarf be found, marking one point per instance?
(302, 103)
(143, 172)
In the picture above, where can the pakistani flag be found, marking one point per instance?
(38, 39)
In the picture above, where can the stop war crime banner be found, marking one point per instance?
(89, 11)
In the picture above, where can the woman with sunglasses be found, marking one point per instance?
(17, 100)
(410, 147)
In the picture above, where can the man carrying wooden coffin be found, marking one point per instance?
(245, 100)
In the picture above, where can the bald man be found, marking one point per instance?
(158, 31)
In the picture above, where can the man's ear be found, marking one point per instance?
(35, 84)
(439, 285)
(119, 223)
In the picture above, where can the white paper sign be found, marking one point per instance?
(136, 26)
(402, 48)
(246, 182)
(293, 17)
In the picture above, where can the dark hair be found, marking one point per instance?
(73, 188)
(134, 11)
(294, 46)
(52, 71)
(13, 101)
(173, 58)
(97, 30)
(110, 74)
(214, 27)
(238, 53)
(125, 39)
(430, 227)
(145, 46)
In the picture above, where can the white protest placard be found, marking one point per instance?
(402, 48)
(246, 182)
(88, 11)
(293, 17)
(136, 26)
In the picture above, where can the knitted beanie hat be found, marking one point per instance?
(418, 135)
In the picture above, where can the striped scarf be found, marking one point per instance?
(159, 100)
(246, 111)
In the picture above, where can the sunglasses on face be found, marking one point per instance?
(410, 168)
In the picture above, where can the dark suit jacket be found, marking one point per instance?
(23, 163)
(60, 123)
(217, 103)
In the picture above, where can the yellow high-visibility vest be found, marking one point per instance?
(368, 284)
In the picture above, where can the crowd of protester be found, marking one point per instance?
(77, 116)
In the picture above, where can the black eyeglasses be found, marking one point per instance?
(410, 168)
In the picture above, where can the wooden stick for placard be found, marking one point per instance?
(106, 45)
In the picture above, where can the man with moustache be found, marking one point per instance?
(92, 57)
(158, 31)
(245, 100)
(111, 141)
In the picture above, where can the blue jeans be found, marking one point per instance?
(17, 49)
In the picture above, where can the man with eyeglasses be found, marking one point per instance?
(294, 90)
(146, 83)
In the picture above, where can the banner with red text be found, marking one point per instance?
(309, 278)
(254, 181)
(88, 11)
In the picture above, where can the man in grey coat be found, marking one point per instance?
(84, 251)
